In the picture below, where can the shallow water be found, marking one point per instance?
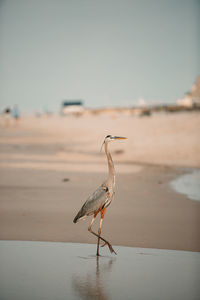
(188, 184)
(42, 270)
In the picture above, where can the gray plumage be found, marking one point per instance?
(98, 199)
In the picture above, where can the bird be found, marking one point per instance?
(101, 198)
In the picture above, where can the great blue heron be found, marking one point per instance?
(101, 198)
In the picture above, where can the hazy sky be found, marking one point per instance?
(107, 52)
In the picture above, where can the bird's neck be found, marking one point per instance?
(111, 170)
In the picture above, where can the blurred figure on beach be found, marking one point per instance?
(6, 116)
(15, 114)
(10, 116)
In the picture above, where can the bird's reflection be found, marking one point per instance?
(92, 285)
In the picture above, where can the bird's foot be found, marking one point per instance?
(109, 246)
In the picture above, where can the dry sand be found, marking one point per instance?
(50, 165)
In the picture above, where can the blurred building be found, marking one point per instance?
(191, 98)
(72, 107)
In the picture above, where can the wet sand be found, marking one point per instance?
(49, 166)
(32, 270)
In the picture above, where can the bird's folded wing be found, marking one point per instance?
(93, 203)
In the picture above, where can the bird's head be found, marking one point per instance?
(110, 138)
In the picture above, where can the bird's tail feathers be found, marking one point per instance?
(79, 217)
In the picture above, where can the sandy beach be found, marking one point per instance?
(50, 165)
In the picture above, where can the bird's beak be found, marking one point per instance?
(120, 138)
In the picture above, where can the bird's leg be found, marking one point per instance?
(106, 243)
(100, 237)
(99, 233)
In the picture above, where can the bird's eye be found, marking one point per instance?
(108, 136)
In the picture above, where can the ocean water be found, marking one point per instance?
(188, 184)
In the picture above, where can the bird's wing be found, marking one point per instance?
(93, 203)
